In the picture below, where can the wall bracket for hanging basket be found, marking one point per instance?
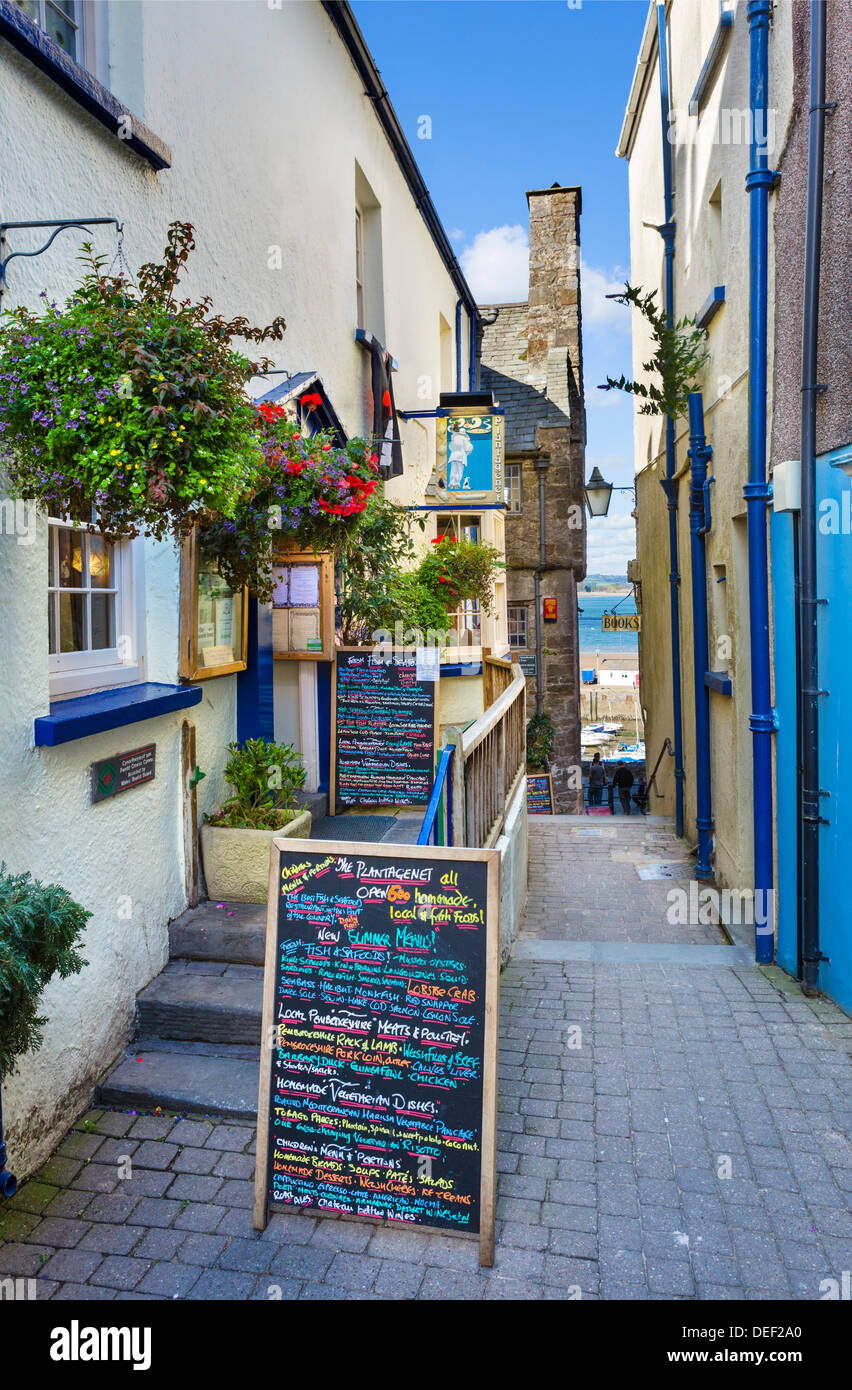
(81, 223)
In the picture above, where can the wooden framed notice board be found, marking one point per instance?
(213, 618)
(540, 794)
(303, 606)
(378, 1071)
(384, 726)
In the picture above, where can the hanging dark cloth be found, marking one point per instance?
(385, 427)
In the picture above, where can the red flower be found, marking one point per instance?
(309, 402)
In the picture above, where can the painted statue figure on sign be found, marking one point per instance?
(460, 450)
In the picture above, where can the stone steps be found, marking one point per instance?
(222, 1082)
(212, 1005)
(198, 1023)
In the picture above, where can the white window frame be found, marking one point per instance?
(512, 489)
(516, 610)
(359, 267)
(91, 46)
(79, 673)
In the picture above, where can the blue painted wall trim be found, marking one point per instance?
(255, 714)
(111, 709)
(24, 35)
(786, 805)
(718, 44)
(324, 670)
(719, 681)
(711, 306)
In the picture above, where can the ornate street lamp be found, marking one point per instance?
(598, 492)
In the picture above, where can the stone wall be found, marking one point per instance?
(532, 361)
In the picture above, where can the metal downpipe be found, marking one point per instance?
(670, 486)
(700, 454)
(759, 180)
(810, 803)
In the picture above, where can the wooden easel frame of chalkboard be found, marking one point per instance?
(489, 857)
(436, 738)
(542, 777)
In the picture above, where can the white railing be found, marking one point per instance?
(488, 765)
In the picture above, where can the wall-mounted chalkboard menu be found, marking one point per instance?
(379, 1057)
(384, 726)
(540, 795)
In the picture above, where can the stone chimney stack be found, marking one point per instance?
(554, 353)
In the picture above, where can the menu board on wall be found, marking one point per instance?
(384, 722)
(379, 1061)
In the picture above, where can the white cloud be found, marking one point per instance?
(598, 311)
(497, 265)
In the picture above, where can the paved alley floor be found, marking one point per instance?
(673, 1124)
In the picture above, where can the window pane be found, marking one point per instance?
(70, 558)
(60, 29)
(51, 623)
(103, 621)
(51, 556)
(99, 562)
(71, 637)
(29, 7)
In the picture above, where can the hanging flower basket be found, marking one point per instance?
(307, 488)
(130, 402)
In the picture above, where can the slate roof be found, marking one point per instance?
(504, 371)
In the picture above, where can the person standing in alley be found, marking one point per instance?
(597, 780)
(623, 780)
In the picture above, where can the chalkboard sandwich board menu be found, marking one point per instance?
(540, 795)
(378, 1070)
(385, 727)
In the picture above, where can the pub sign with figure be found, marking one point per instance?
(470, 450)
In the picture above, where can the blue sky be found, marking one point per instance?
(520, 94)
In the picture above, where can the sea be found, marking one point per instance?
(591, 610)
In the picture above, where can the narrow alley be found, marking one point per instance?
(673, 1124)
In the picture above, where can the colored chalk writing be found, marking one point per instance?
(378, 1036)
(384, 745)
(540, 795)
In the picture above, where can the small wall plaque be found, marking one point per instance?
(122, 772)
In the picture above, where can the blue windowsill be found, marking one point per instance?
(719, 681)
(24, 35)
(111, 709)
(711, 306)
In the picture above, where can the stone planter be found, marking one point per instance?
(236, 862)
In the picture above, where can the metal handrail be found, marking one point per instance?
(652, 780)
(442, 779)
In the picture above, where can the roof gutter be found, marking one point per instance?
(341, 16)
(639, 85)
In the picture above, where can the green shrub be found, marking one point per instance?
(540, 737)
(40, 929)
(264, 777)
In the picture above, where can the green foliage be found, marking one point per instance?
(305, 486)
(264, 777)
(679, 354)
(459, 570)
(375, 560)
(541, 734)
(131, 402)
(40, 929)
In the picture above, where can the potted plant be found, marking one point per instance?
(235, 841)
(129, 406)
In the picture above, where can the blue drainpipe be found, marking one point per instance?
(700, 454)
(759, 180)
(474, 318)
(8, 1181)
(669, 484)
